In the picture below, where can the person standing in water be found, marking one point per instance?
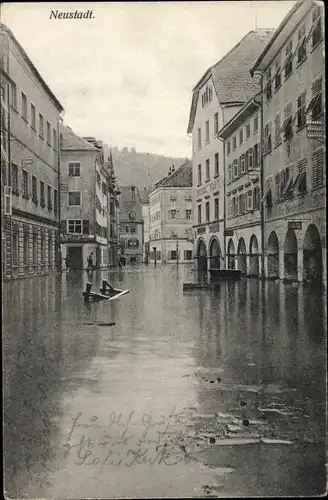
(90, 263)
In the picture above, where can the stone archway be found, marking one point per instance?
(201, 255)
(215, 253)
(231, 255)
(253, 256)
(290, 255)
(312, 255)
(273, 256)
(241, 256)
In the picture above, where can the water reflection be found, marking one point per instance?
(261, 341)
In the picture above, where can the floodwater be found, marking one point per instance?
(163, 393)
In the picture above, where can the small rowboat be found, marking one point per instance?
(110, 292)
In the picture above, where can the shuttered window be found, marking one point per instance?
(301, 117)
(277, 129)
(317, 97)
(317, 168)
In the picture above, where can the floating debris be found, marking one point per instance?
(275, 441)
(212, 440)
(234, 428)
(246, 422)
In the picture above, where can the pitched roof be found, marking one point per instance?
(72, 142)
(5, 29)
(181, 177)
(231, 75)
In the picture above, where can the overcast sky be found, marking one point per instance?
(126, 76)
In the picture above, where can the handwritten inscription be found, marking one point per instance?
(153, 442)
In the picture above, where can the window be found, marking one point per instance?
(288, 121)
(199, 214)
(277, 76)
(242, 204)
(256, 155)
(188, 255)
(42, 195)
(288, 59)
(188, 197)
(133, 229)
(42, 249)
(49, 249)
(256, 124)
(268, 85)
(250, 158)
(242, 164)
(55, 200)
(316, 26)
(34, 189)
(229, 173)
(249, 200)
(74, 198)
(173, 255)
(48, 133)
(172, 214)
(25, 184)
(317, 168)
(216, 208)
(235, 169)
(33, 117)
(188, 214)
(15, 246)
(74, 226)
(85, 227)
(256, 200)
(173, 198)
(74, 169)
(54, 139)
(301, 46)
(241, 136)
(25, 247)
(248, 131)
(216, 123)
(49, 198)
(207, 170)
(15, 178)
(300, 181)
(41, 126)
(216, 164)
(207, 211)
(207, 131)
(277, 130)
(14, 96)
(24, 106)
(267, 138)
(234, 143)
(207, 96)
(35, 247)
(316, 101)
(301, 117)
(199, 175)
(199, 137)
(228, 148)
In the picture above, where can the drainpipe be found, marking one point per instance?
(260, 106)
(9, 161)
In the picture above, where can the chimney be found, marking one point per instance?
(173, 169)
(170, 171)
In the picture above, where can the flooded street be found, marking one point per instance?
(163, 393)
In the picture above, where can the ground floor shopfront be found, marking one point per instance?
(171, 251)
(76, 253)
(28, 247)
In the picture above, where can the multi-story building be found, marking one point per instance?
(31, 229)
(84, 200)
(113, 215)
(219, 94)
(242, 160)
(144, 196)
(170, 217)
(131, 224)
(293, 82)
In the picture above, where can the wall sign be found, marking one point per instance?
(133, 243)
(294, 224)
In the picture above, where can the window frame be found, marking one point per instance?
(74, 221)
(68, 198)
(73, 165)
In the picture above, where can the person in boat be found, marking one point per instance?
(90, 263)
